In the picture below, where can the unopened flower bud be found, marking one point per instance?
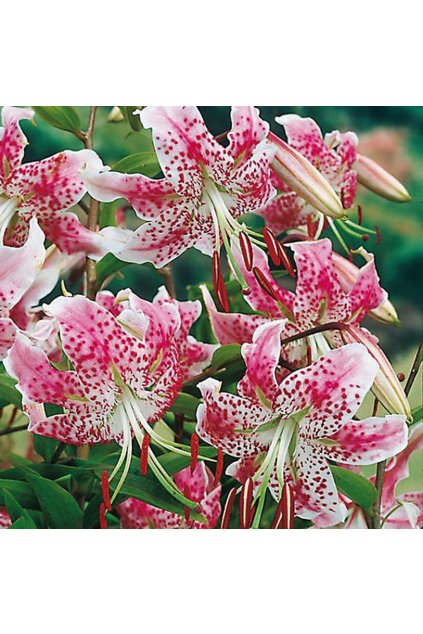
(378, 180)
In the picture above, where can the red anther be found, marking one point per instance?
(245, 504)
(309, 356)
(272, 245)
(350, 255)
(310, 228)
(277, 520)
(401, 377)
(264, 283)
(222, 135)
(216, 271)
(226, 515)
(285, 260)
(378, 235)
(102, 515)
(187, 510)
(375, 407)
(325, 224)
(246, 250)
(365, 237)
(246, 291)
(219, 467)
(360, 214)
(342, 196)
(195, 441)
(105, 490)
(144, 454)
(287, 507)
(222, 296)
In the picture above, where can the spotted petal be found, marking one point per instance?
(366, 294)
(12, 139)
(397, 469)
(247, 131)
(7, 335)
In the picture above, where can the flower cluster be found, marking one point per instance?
(266, 397)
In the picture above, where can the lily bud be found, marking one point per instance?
(347, 273)
(304, 179)
(115, 115)
(386, 386)
(378, 180)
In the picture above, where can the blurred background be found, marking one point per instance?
(393, 136)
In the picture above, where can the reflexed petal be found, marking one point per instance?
(183, 145)
(319, 297)
(12, 139)
(397, 469)
(316, 496)
(7, 335)
(367, 294)
(367, 441)
(229, 421)
(253, 179)
(247, 131)
(332, 389)
(261, 359)
(69, 234)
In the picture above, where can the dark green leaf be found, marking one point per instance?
(417, 414)
(21, 491)
(23, 522)
(130, 117)
(107, 266)
(355, 486)
(45, 447)
(8, 392)
(108, 214)
(140, 163)
(226, 355)
(16, 511)
(61, 117)
(185, 404)
(59, 507)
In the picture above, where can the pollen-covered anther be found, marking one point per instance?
(264, 283)
(222, 296)
(245, 504)
(226, 515)
(219, 467)
(216, 272)
(272, 246)
(401, 377)
(284, 259)
(144, 454)
(102, 515)
(310, 228)
(246, 250)
(195, 442)
(105, 490)
(360, 214)
(287, 507)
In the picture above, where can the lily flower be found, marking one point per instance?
(320, 298)
(288, 431)
(126, 374)
(5, 520)
(19, 268)
(45, 189)
(197, 486)
(206, 188)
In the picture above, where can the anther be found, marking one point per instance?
(105, 490)
(350, 255)
(285, 260)
(222, 296)
(144, 454)
(219, 467)
(310, 228)
(245, 503)
(246, 250)
(226, 515)
(216, 274)
(287, 507)
(272, 245)
(360, 214)
(102, 515)
(195, 441)
(401, 377)
(264, 283)
(365, 237)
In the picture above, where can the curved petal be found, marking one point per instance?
(251, 181)
(231, 327)
(366, 293)
(7, 336)
(69, 234)
(367, 441)
(330, 390)
(5, 520)
(316, 495)
(20, 266)
(184, 147)
(397, 469)
(247, 131)
(261, 359)
(284, 212)
(12, 139)
(135, 514)
(305, 136)
(229, 421)
(319, 297)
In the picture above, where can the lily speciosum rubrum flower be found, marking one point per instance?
(378, 180)
(45, 189)
(19, 268)
(205, 189)
(126, 374)
(197, 485)
(289, 431)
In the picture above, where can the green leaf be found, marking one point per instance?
(107, 266)
(130, 117)
(108, 214)
(21, 491)
(8, 392)
(185, 404)
(45, 447)
(417, 414)
(23, 522)
(59, 507)
(60, 117)
(355, 486)
(140, 163)
(16, 511)
(226, 354)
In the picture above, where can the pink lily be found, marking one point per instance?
(197, 486)
(126, 375)
(321, 296)
(18, 271)
(45, 189)
(5, 520)
(206, 188)
(287, 431)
